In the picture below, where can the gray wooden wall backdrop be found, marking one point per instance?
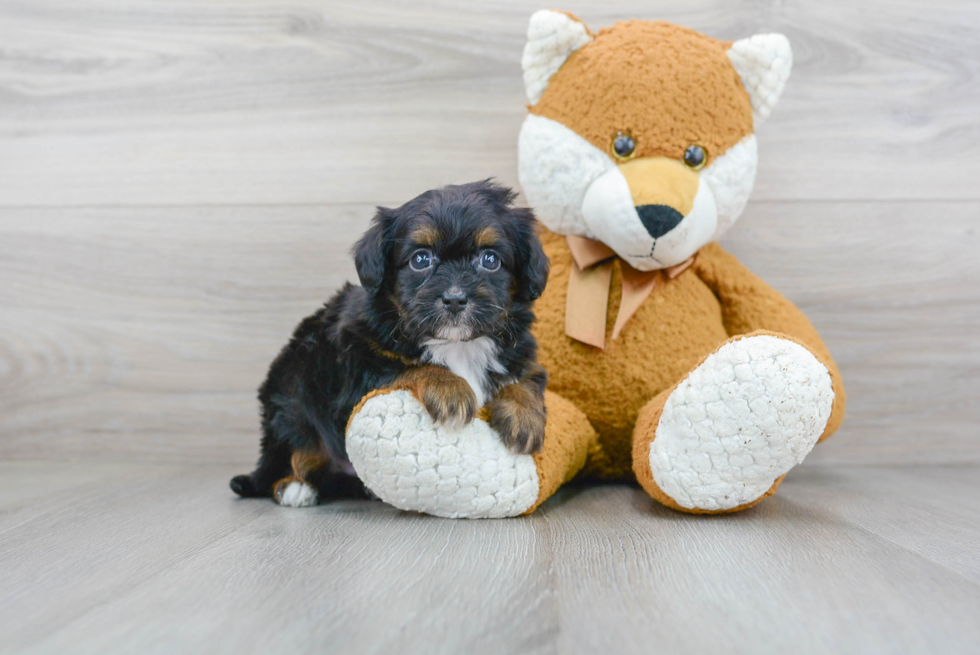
(180, 182)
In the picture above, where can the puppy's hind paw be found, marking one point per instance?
(293, 492)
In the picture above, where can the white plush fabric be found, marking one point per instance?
(764, 62)
(747, 415)
(731, 178)
(551, 38)
(556, 166)
(610, 217)
(413, 464)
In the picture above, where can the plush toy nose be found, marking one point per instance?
(662, 190)
(659, 219)
(454, 301)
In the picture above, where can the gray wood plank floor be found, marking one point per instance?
(122, 558)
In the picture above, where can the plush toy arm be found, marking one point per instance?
(415, 464)
(750, 305)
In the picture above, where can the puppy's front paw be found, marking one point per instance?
(447, 397)
(519, 420)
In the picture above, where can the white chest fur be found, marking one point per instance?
(471, 360)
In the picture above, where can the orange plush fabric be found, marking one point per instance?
(666, 85)
(673, 330)
(568, 440)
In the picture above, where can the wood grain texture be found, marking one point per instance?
(120, 102)
(862, 559)
(144, 332)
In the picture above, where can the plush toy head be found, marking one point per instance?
(641, 136)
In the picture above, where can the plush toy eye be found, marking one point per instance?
(489, 260)
(623, 146)
(421, 260)
(695, 156)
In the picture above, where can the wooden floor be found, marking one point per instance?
(180, 182)
(122, 558)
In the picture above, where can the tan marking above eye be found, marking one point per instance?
(487, 237)
(425, 235)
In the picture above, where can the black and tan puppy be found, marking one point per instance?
(445, 309)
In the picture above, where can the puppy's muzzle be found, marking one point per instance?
(454, 301)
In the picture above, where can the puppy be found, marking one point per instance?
(444, 310)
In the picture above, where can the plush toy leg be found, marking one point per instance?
(723, 438)
(414, 464)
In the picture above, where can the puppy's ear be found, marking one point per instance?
(371, 251)
(535, 264)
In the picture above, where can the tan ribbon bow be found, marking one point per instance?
(588, 290)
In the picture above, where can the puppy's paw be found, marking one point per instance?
(293, 492)
(519, 419)
(447, 397)
(451, 403)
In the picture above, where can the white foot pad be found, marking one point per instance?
(747, 415)
(413, 464)
(298, 494)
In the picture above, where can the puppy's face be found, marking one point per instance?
(454, 262)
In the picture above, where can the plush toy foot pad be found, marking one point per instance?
(414, 464)
(742, 419)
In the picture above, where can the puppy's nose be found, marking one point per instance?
(659, 219)
(454, 301)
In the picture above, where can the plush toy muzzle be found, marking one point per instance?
(653, 212)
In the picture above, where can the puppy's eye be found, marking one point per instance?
(623, 146)
(421, 260)
(489, 260)
(695, 156)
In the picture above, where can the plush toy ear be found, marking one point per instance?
(763, 62)
(551, 37)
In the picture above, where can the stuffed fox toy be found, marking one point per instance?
(669, 362)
